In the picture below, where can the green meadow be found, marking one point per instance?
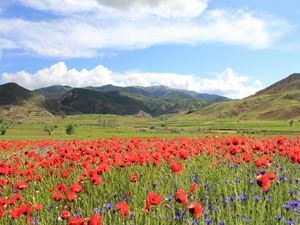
(93, 126)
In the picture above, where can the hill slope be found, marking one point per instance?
(18, 103)
(292, 82)
(13, 94)
(280, 101)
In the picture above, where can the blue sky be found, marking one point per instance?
(232, 48)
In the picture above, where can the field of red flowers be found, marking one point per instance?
(211, 180)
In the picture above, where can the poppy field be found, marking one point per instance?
(206, 180)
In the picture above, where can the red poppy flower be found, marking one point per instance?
(38, 207)
(38, 177)
(25, 208)
(57, 196)
(65, 173)
(152, 199)
(176, 167)
(122, 207)
(2, 211)
(133, 177)
(181, 196)
(193, 187)
(51, 189)
(3, 201)
(71, 196)
(96, 219)
(61, 187)
(195, 209)
(263, 181)
(271, 175)
(77, 221)
(65, 214)
(80, 180)
(17, 196)
(21, 185)
(11, 201)
(15, 213)
(96, 180)
(76, 188)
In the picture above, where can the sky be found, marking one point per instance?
(231, 48)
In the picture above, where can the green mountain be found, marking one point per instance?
(53, 91)
(84, 101)
(18, 103)
(109, 99)
(156, 100)
(160, 91)
(13, 94)
(280, 101)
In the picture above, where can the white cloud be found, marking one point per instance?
(87, 36)
(6, 44)
(227, 83)
(61, 6)
(87, 28)
(161, 8)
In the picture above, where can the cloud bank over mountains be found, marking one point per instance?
(228, 83)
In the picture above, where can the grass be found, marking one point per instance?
(94, 126)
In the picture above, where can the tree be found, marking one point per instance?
(48, 129)
(291, 123)
(70, 129)
(3, 130)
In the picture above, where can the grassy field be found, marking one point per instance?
(93, 126)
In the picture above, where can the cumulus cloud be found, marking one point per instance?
(228, 83)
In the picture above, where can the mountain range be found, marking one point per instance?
(108, 99)
(278, 101)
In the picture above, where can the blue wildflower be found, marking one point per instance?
(256, 197)
(278, 218)
(108, 205)
(292, 192)
(208, 221)
(195, 180)
(290, 221)
(169, 198)
(281, 177)
(242, 197)
(269, 199)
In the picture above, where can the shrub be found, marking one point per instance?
(3, 130)
(70, 129)
(48, 129)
